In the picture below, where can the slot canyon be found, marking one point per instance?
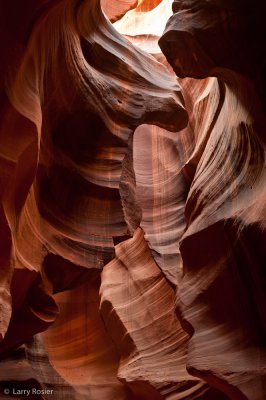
(133, 200)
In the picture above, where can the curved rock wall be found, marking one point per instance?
(133, 201)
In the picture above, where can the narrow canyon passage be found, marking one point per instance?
(133, 186)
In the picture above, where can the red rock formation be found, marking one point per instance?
(138, 306)
(221, 294)
(116, 9)
(133, 203)
(66, 178)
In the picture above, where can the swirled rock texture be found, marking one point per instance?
(133, 186)
(222, 293)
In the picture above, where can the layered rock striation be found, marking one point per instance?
(133, 201)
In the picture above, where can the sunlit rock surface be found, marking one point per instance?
(133, 186)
